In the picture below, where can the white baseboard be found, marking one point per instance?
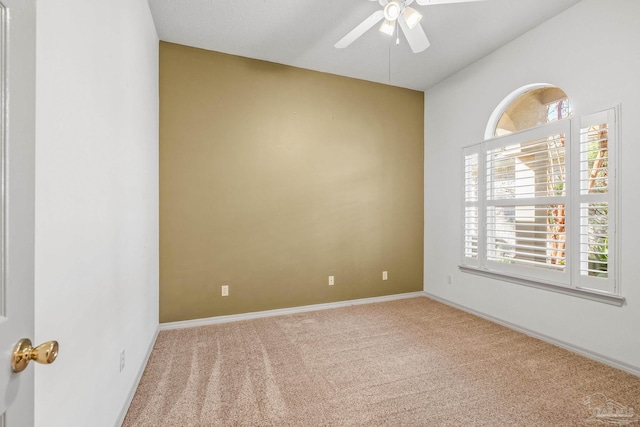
(282, 311)
(136, 382)
(623, 366)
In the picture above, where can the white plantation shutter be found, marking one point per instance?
(526, 201)
(539, 206)
(471, 191)
(596, 246)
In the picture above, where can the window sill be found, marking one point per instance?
(580, 293)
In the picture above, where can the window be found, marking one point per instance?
(537, 105)
(539, 203)
(596, 201)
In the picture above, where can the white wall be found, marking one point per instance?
(96, 204)
(592, 51)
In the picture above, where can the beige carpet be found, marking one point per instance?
(412, 362)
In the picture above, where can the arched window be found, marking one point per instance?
(525, 215)
(528, 107)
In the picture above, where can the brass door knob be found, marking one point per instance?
(23, 353)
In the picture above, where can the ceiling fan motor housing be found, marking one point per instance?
(392, 10)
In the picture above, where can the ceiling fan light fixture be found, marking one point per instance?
(387, 27)
(392, 10)
(411, 17)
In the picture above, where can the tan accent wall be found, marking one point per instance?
(272, 178)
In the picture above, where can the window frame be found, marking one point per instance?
(570, 281)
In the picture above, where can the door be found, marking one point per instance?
(17, 169)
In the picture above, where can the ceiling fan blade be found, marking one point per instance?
(360, 29)
(416, 37)
(433, 2)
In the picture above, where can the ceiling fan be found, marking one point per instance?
(397, 12)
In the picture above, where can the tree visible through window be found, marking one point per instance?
(595, 168)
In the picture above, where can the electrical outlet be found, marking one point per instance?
(449, 279)
(225, 290)
(331, 281)
(122, 360)
(384, 275)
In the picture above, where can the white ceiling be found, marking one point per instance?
(302, 33)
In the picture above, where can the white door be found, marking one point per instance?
(17, 169)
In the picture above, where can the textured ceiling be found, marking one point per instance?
(302, 33)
